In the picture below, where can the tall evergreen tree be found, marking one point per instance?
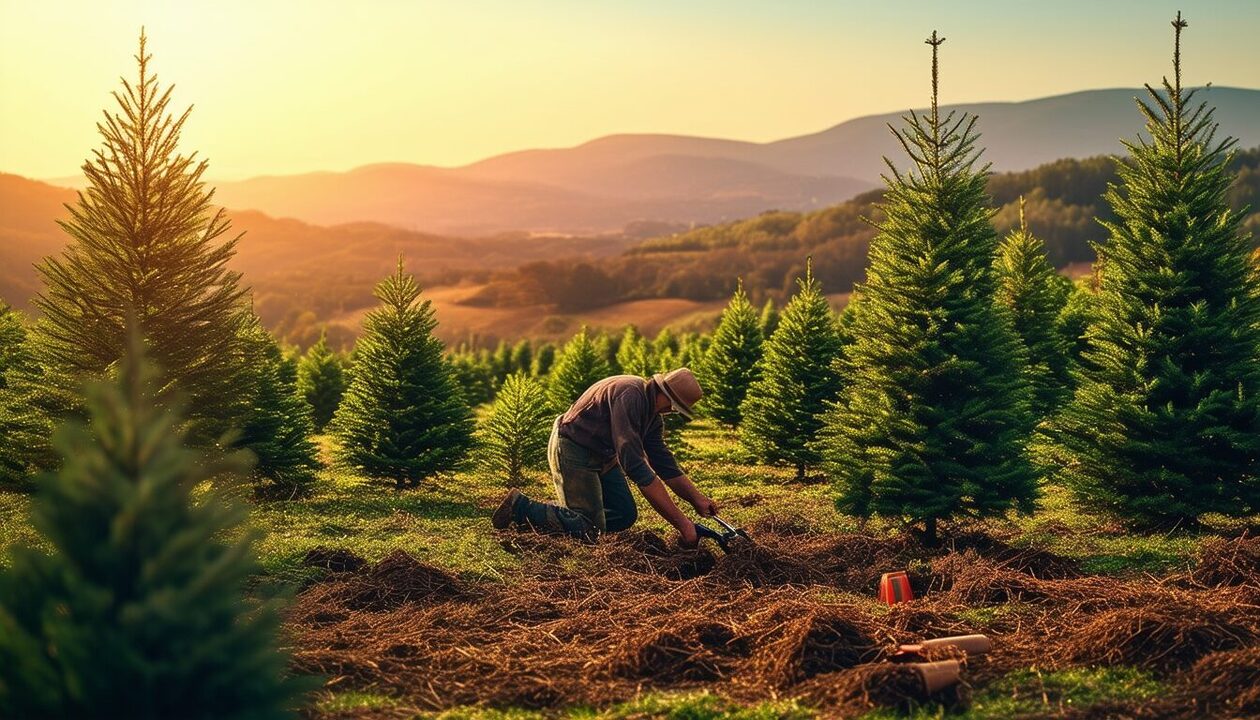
(578, 367)
(140, 609)
(634, 356)
(730, 367)
(145, 239)
(321, 381)
(782, 412)
(1034, 296)
(404, 416)
(278, 427)
(934, 417)
(514, 436)
(1165, 423)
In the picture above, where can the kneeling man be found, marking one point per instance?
(612, 432)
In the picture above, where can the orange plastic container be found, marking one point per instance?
(894, 587)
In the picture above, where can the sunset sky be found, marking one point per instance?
(284, 87)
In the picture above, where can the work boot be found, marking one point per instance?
(506, 513)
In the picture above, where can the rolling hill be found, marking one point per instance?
(602, 185)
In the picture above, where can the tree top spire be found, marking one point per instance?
(1178, 25)
(1023, 223)
(935, 41)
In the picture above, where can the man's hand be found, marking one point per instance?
(704, 505)
(689, 537)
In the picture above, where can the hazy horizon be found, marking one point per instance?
(283, 89)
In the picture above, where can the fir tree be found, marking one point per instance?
(1165, 423)
(278, 426)
(934, 418)
(1074, 321)
(404, 416)
(578, 367)
(321, 381)
(634, 357)
(769, 318)
(607, 350)
(783, 409)
(140, 609)
(664, 346)
(1034, 296)
(522, 356)
(692, 348)
(514, 436)
(501, 362)
(544, 359)
(730, 365)
(145, 239)
(474, 377)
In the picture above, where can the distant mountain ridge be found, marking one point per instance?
(601, 185)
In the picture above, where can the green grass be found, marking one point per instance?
(1030, 692)
(354, 700)
(686, 706)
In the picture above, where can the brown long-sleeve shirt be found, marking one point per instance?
(616, 418)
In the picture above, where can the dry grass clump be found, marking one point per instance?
(1225, 683)
(1161, 636)
(852, 692)
(1234, 561)
(396, 579)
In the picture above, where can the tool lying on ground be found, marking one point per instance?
(970, 644)
(724, 538)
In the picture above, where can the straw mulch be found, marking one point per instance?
(792, 615)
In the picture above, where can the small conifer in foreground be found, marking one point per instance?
(137, 608)
(578, 366)
(321, 381)
(729, 366)
(513, 437)
(782, 412)
(634, 356)
(1034, 296)
(278, 427)
(404, 416)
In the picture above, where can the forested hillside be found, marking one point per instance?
(1063, 205)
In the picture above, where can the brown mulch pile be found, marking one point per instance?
(1225, 683)
(1233, 561)
(792, 615)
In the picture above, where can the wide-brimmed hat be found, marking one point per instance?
(682, 389)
